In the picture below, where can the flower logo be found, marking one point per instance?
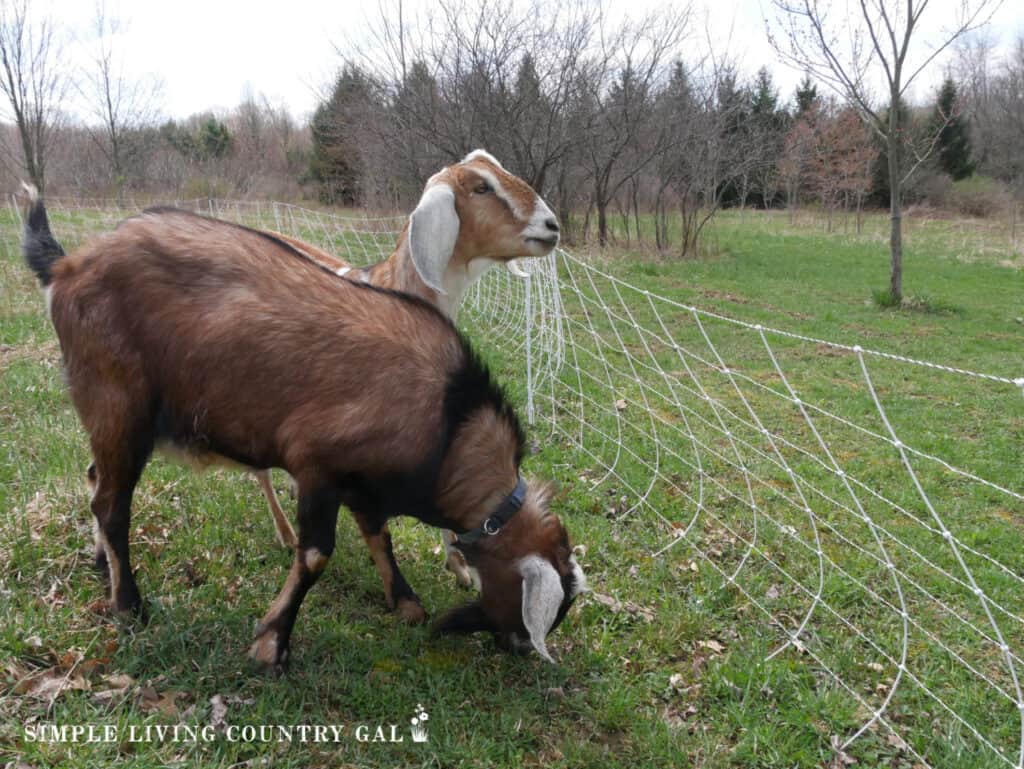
(419, 724)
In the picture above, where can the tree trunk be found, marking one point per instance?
(660, 223)
(895, 208)
(602, 222)
(636, 209)
(35, 173)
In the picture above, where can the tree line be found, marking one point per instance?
(633, 128)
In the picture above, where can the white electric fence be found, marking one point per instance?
(868, 507)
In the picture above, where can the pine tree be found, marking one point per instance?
(764, 100)
(953, 149)
(214, 141)
(806, 96)
(334, 164)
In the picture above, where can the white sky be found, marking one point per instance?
(209, 52)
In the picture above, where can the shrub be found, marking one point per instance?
(979, 196)
(923, 303)
(884, 299)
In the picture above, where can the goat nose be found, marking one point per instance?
(552, 224)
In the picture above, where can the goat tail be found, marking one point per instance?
(40, 248)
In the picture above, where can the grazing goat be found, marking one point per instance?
(472, 215)
(226, 345)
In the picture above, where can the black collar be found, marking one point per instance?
(509, 507)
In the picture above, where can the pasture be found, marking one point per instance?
(714, 528)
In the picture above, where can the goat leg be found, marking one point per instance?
(318, 517)
(283, 529)
(99, 559)
(400, 597)
(455, 561)
(116, 473)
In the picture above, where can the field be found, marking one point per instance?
(712, 529)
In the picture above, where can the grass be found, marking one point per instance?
(693, 687)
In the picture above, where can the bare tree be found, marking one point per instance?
(33, 83)
(1008, 116)
(634, 63)
(794, 161)
(876, 40)
(475, 72)
(972, 71)
(122, 106)
(843, 154)
(706, 157)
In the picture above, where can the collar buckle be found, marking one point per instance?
(506, 510)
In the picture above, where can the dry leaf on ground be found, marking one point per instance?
(617, 607)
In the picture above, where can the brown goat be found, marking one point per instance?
(187, 333)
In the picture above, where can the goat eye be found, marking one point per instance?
(482, 189)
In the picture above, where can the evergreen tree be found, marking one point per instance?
(206, 139)
(335, 164)
(768, 125)
(764, 99)
(528, 81)
(806, 96)
(953, 149)
(213, 140)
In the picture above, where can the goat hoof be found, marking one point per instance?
(288, 541)
(411, 612)
(456, 564)
(132, 613)
(462, 576)
(268, 669)
(266, 655)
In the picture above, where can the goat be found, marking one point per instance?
(175, 328)
(472, 215)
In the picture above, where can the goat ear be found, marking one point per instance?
(463, 621)
(542, 596)
(433, 230)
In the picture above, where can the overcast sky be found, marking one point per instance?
(209, 52)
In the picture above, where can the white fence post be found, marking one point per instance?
(528, 331)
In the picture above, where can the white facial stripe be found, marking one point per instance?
(482, 155)
(500, 192)
(343, 271)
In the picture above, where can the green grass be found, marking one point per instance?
(694, 686)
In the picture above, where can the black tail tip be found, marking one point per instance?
(40, 248)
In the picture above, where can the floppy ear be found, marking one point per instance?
(542, 596)
(433, 230)
(463, 621)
